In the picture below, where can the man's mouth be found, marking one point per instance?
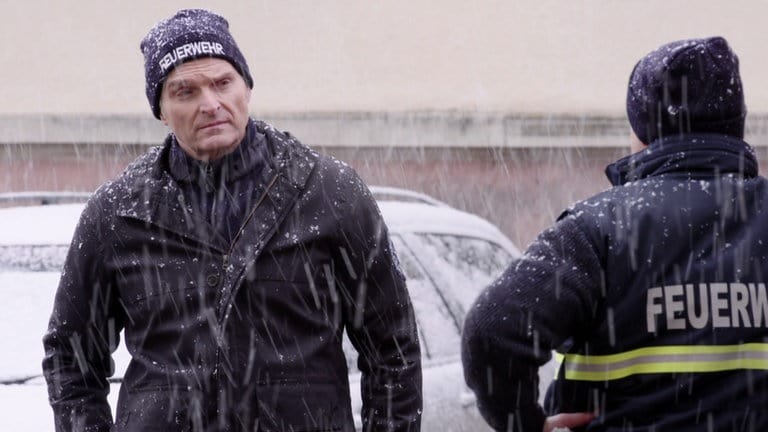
(213, 124)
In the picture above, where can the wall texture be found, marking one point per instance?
(508, 108)
(522, 190)
(518, 56)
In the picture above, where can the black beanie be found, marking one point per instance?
(188, 35)
(687, 86)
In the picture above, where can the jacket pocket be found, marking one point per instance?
(304, 407)
(154, 410)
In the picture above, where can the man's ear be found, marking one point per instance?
(635, 145)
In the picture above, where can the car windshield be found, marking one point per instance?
(444, 273)
(460, 265)
(32, 257)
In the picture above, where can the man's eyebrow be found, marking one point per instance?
(176, 83)
(181, 82)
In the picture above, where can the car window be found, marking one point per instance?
(460, 265)
(479, 259)
(438, 332)
(439, 335)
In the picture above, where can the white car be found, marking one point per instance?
(447, 255)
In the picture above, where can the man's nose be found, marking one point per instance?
(210, 102)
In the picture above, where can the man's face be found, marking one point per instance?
(205, 103)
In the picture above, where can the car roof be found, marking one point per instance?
(39, 225)
(404, 211)
(416, 217)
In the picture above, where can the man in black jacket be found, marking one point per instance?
(234, 259)
(653, 291)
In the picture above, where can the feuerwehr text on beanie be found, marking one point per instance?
(188, 35)
(687, 86)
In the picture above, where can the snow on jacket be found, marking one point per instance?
(234, 335)
(653, 290)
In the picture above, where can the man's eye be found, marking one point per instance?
(183, 92)
(223, 82)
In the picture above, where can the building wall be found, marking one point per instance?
(522, 190)
(519, 56)
(508, 108)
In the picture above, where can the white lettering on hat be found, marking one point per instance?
(190, 50)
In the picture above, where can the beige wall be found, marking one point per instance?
(519, 56)
(524, 78)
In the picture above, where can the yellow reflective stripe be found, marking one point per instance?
(559, 359)
(666, 359)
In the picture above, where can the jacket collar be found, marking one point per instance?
(154, 195)
(248, 157)
(694, 156)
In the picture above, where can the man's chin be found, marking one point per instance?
(215, 148)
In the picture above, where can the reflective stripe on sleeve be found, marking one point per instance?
(666, 359)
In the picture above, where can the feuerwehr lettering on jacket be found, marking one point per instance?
(695, 306)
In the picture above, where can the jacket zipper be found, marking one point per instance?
(225, 263)
(246, 220)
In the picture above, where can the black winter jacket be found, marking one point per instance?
(241, 331)
(655, 292)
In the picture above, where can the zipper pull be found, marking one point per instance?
(207, 176)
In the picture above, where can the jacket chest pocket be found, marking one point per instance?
(295, 284)
(290, 321)
(158, 281)
(290, 279)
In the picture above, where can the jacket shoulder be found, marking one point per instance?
(139, 171)
(614, 203)
(337, 178)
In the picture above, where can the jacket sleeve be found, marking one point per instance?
(541, 300)
(82, 333)
(380, 321)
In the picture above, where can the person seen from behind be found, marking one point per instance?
(653, 291)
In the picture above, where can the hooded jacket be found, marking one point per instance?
(653, 291)
(233, 329)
